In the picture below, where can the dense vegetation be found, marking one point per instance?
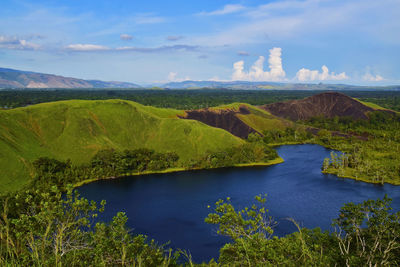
(50, 229)
(110, 163)
(374, 157)
(367, 234)
(185, 99)
(105, 164)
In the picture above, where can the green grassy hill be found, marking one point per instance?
(77, 129)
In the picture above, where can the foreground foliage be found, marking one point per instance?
(52, 229)
(48, 229)
(367, 234)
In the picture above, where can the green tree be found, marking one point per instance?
(369, 234)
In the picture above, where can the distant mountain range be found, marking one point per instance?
(10, 78)
(13, 79)
(271, 86)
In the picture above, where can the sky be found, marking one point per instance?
(150, 42)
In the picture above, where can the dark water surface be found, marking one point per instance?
(173, 206)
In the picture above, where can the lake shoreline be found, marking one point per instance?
(275, 161)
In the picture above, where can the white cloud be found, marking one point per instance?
(14, 43)
(375, 20)
(305, 75)
(257, 73)
(126, 37)
(173, 77)
(87, 47)
(371, 78)
(227, 9)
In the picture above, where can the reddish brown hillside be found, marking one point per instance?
(222, 118)
(328, 104)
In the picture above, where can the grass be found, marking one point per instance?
(258, 119)
(77, 129)
(354, 175)
(371, 105)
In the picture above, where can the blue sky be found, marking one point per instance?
(330, 41)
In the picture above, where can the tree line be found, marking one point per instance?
(184, 99)
(109, 163)
(105, 163)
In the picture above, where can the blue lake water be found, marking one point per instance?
(172, 207)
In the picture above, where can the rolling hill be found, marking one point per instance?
(246, 85)
(77, 129)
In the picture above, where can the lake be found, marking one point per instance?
(172, 207)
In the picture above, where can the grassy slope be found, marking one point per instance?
(258, 119)
(371, 105)
(261, 120)
(77, 129)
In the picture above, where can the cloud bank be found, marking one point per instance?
(257, 73)
(276, 72)
(173, 77)
(306, 75)
(14, 43)
(371, 78)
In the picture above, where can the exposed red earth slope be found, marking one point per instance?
(223, 118)
(329, 105)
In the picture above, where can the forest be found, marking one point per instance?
(110, 163)
(185, 99)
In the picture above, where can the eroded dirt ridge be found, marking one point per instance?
(222, 118)
(329, 104)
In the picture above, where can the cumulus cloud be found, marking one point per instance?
(174, 38)
(305, 75)
(126, 37)
(227, 9)
(243, 53)
(371, 78)
(87, 47)
(173, 77)
(257, 73)
(14, 43)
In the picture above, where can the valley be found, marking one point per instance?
(154, 162)
(75, 130)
